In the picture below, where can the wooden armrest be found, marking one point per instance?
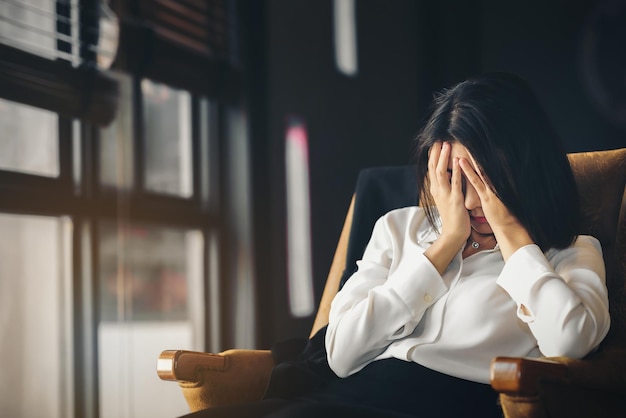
(521, 376)
(602, 371)
(562, 387)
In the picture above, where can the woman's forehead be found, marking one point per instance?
(458, 151)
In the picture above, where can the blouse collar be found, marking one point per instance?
(429, 234)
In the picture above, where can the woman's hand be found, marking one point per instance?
(447, 192)
(509, 232)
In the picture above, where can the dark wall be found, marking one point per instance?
(406, 50)
(555, 45)
(342, 114)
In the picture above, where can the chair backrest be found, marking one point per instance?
(378, 190)
(601, 180)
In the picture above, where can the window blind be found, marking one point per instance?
(53, 56)
(73, 92)
(183, 43)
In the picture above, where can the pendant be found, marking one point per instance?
(475, 245)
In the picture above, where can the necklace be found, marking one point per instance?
(485, 244)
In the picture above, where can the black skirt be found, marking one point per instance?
(409, 389)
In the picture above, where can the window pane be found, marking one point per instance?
(151, 300)
(116, 141)
(30, 139)
(35, 317)
(167, 134)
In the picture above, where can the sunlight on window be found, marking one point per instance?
(167, 136)
(29, 140)
(36, 317)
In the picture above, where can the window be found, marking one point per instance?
(35, 312)
(29, 140)
(166, 127)
(114, 226)
(151, 297)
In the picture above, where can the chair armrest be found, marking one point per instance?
(605, 371)
(180, 365)
(561, 386)
(207, 380)
(521, 376)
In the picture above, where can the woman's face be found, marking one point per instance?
(472, 201)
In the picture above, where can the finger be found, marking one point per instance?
(477, 170)
(433, 156)
(456, 180)
(442, 164)
(471, 175)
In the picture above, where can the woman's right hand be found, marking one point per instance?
(447, 191)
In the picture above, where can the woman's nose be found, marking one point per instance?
(472, 200)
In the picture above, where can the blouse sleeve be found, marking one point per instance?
(383, 300)
(562, 296)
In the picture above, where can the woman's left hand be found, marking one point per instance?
(509, 232)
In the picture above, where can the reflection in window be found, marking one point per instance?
(151, 299)
(35, 317)
(29, 140)
(167, 136)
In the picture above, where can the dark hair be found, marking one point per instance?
(499, 120)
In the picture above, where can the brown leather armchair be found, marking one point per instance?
(550, 387)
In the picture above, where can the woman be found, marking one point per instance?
(490, 265)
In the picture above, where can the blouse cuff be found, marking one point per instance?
(418, 284)
(521, 273)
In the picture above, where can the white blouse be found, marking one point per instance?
(397, 305)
